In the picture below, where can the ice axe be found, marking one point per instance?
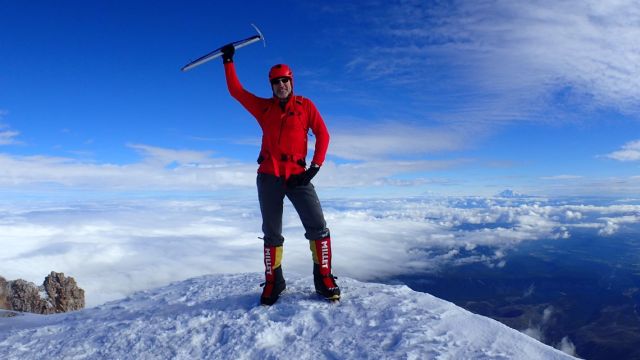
(217, 52)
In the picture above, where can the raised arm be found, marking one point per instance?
(252, 103)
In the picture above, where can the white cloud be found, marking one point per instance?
(587, 186)
(7, 136)
(612, 225)
(510, 57)
(566, 346)
(562, 177)
(166, 156)
(530, 290)
(164, 169)
(534, 332)
(629, 152)
(538, 332)
(160, 169)
(379, 173)
(373, 142)
(547, 314)
(573, 215)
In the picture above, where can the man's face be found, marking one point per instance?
(281, 87)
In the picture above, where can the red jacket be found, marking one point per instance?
(284, 132)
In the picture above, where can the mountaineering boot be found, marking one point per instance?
(323, 279)
(274, 283)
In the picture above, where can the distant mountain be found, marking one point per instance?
(508, 193)
(218, 317)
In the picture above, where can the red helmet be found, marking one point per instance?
(280, 70)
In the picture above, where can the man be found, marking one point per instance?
(285, 120)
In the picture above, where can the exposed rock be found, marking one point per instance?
(64, 294)
(4, 303)
(24, 296)
(57, 294)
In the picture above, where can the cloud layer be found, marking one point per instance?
(116, 247)
(387, 152)
(395, 140)
(159, 169)
(186, 171)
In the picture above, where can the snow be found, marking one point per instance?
(218, 317)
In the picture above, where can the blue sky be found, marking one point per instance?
(438, 98)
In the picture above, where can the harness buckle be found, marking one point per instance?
(289, 157)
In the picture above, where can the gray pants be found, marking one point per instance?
(271, 193)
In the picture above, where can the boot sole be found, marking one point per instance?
(332, 298)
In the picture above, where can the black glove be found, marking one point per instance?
(227, 53)
(304, 178)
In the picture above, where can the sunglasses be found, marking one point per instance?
(279, 80)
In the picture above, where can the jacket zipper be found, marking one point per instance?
(281, 128)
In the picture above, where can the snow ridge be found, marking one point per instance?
(218, 317)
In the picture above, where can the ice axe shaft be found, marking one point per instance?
(217, 52)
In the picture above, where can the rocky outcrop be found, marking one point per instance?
(63, 292)
(24, 296)
(57, 294)
(4, 304)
